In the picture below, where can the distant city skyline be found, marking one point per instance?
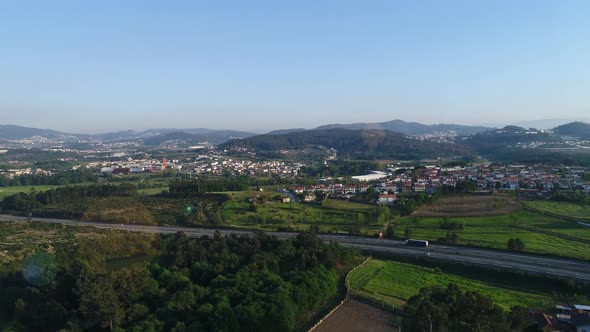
(89, 67)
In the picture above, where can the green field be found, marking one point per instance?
(331, 215)
(562, 208)
(495, 231)
(394, 283)
(152, 191)
(7, 191)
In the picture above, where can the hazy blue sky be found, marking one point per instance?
(107, 65)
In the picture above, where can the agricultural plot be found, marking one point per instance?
(468, 206)
(567, 210)
(540, 233)
(358, 316)
(394, 283)
(265, 210)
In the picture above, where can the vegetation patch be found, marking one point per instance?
(468, 206)
(561, 209)
(540, 233)
(391, 282)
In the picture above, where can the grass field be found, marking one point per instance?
(495, 231)
(7, 191)
(152, 191)
(562, 208)
(331, 215)
(394, 283)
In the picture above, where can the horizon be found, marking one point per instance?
(261, 66)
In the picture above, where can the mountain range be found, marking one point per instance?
(153, 136)
(363, 144)
(391, 139)
(400, 126)
(362, 141)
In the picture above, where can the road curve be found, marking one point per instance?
(532, 264)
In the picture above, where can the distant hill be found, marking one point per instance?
(412, 128)
(150, 137)
(205, 134)
(200, 131)
(544, 123)
(357, 143)
(11, 132)
(508, 138)
(574, 129)
(182, 137)
(285, 131)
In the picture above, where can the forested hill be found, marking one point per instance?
(574, 129)
(509, 137)
(358, 143)
(19, 132)
(411, 128)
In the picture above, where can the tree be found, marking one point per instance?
(408, 232)
(449, 238)
(519, 318)
(515, 244)
(389, 231)
(438, 309)
(99, 303)
(253, 207)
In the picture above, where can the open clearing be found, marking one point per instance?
(466, 206)
(357, 316)
(394, 283)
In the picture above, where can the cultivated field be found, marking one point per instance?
(356, 316)
(270, 213)
(394, 283)
(564, 209)
(541, 234)
(466, 206)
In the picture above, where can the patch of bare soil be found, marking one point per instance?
(357, 316)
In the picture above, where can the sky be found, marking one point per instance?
(96, 66)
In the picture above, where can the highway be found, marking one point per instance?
(532, 264)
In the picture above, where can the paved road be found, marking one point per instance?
(534, 264)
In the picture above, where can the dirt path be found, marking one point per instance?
(356, 316)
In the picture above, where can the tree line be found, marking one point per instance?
(441, 310)
(58, 179)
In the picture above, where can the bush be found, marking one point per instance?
(515, 244)
(451, 225)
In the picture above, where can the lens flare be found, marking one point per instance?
(39, 269)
